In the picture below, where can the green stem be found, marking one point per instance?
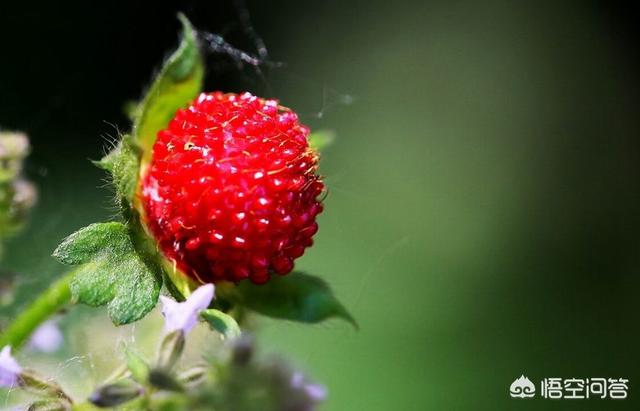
(48, 303)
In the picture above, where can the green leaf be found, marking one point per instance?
(297, 297)
(88, 242)
(112, 272)
(221, 322)
(319, 140)
(179, 82)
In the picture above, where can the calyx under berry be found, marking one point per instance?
(231, 190)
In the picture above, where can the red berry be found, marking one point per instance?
(231, 191)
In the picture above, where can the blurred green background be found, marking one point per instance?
(483, 211)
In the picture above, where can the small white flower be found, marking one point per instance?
(184, 316)
(9, 368)
(46, 338)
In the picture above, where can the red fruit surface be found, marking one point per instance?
(231, 191)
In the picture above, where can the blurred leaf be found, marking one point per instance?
(297, 297)
(179, 82)
(112, 273)
(321, 139)
(221, 322)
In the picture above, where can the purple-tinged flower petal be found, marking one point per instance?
(297, 379)
(315, 392)
(9, 368)
(47, 338)
(184, 316)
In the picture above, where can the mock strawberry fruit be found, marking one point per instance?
(232, 189)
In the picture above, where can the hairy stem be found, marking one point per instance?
(48, 303)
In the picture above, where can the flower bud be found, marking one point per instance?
(14, 147)
(17, 196)
(171, 349)
(243, 350)
(7, 288)
(31, 381)
(16, 199)
(24, 196)
(46, 338)
(112, 395)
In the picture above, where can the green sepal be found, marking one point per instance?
(130, 109)
(138, 367)
(171, 349)
(163, 380)
(296, 297)
(31, 381)
(123, 163)
(321, 139)
(221, 322)
(111, 271)
(179, 285)
(49, 404)
(178, 83)
(193, 376)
